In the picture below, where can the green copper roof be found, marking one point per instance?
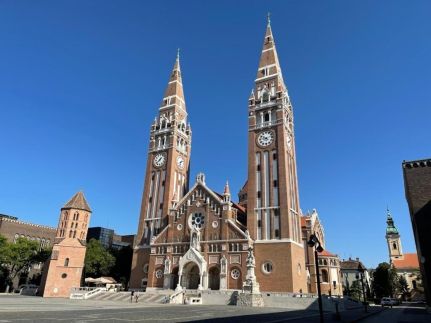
(390, 229)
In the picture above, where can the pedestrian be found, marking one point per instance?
(131, 296)
(136, 296)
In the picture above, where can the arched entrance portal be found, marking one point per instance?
(214, 278)
(191, 276)
(174, 278)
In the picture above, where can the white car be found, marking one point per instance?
(387, 301)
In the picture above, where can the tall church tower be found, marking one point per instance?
(273, 212)
(393, 239)
(68, 251)
(167, 173)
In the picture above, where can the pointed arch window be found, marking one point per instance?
(394, 246)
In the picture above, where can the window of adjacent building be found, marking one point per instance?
(66, 262)
(267, 267)
(325, 277)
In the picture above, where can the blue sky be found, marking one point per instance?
(81, 81)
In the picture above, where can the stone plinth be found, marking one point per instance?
(250, 300)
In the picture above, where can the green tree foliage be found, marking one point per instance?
(356, 290)
(403, 287)
(98, 260)
(17, 258)
(385, 281)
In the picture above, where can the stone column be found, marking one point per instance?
(179, 287)
(200, 287)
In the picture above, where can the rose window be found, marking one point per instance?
(235, 273)
(198, 220)
(159, 273)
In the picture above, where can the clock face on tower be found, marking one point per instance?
(159, 160)
(265, 138)
(180, 162)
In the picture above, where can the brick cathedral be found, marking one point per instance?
(196, 238)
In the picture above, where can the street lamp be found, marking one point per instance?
(314, 242)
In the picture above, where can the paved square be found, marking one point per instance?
(16, 308)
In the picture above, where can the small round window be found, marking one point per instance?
(159, 273)
(198, 220)
(64, 275)
(235, 273)
(267, 267)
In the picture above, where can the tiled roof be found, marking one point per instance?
(78, 201)
(351, 265)
(408, 261)
(327, 254)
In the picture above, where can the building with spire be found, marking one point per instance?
(65, 267)
(405, 264)
(197, 238)
(393, 238)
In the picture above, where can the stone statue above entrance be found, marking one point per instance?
(195, 241)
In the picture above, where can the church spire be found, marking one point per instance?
(174, 93)
(390, 228)
(269, 65)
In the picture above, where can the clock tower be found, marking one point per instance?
(167, 172)
(273, 212)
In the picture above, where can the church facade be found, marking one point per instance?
(196, 238)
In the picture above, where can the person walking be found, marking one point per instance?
(131, 296)
(137, 296)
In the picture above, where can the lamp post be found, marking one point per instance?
(314, 242)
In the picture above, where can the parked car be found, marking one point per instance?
(388, 301)
(25, 286)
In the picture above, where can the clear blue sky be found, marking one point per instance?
(81, 81)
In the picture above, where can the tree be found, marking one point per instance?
(385, 282)
(98, 260)
(356, 290)
(18, 257)
(403, 287)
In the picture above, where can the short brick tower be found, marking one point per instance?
(273, 212)
(68, 252)
(167, 173)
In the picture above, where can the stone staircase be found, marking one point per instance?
(144, 297)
